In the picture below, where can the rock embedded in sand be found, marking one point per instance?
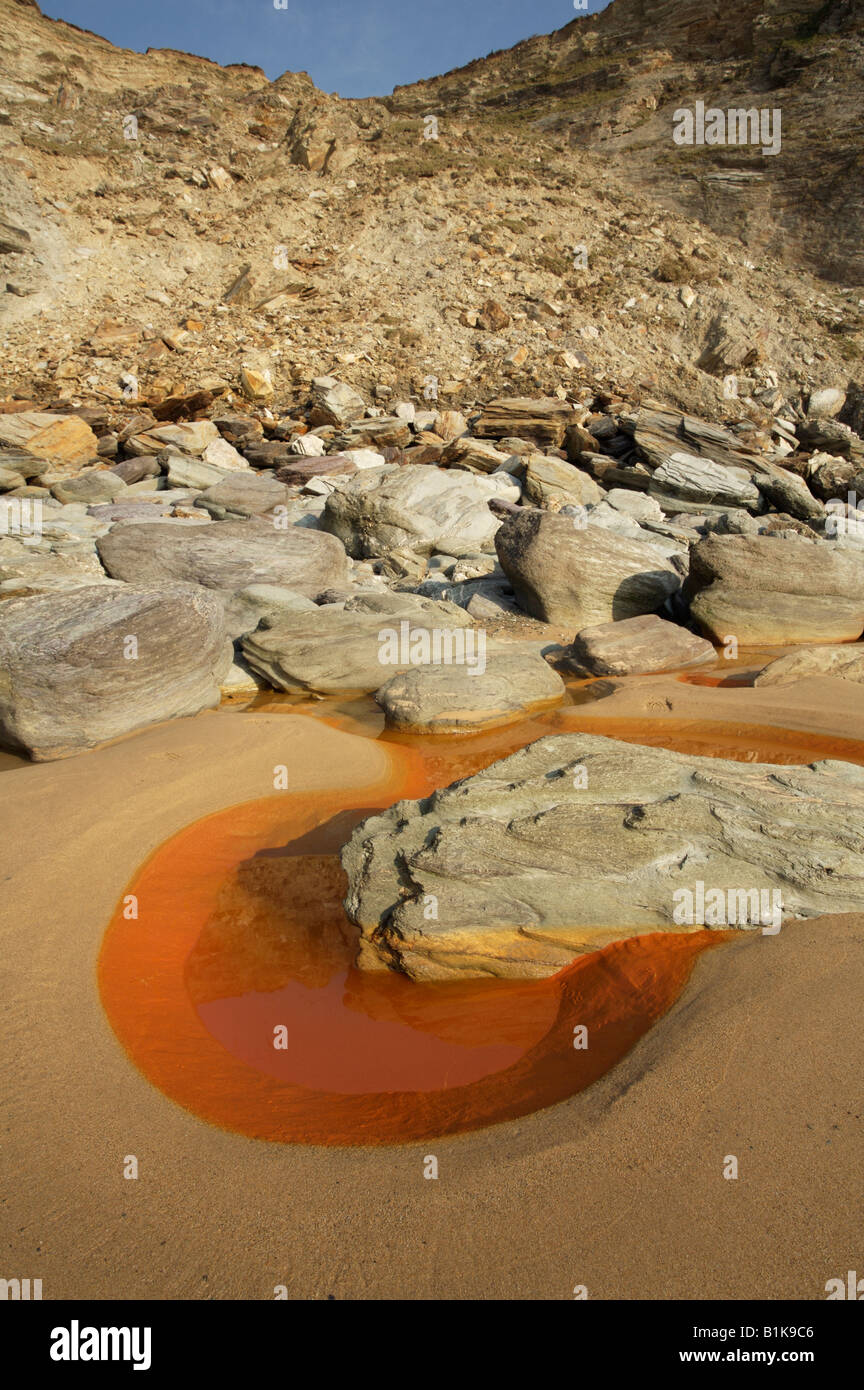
(496, 684)
(578, 840)
(228, 556)
(844, 662)
(564, 573)
(78, 669)
(638, 646)
(768, 590)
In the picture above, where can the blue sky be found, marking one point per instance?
(357, 48)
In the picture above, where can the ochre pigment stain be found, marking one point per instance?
(241, 939)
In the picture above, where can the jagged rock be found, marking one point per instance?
(473, 454)
(70, 677)
(553, 484)
(543, 420)
(228, 556)
(335, 403)
(831, 477)
(415, 508)
(685, 483)
(576, 841)
(308, 446)
(845, 663)
(830, 436)
(637, 646)
(299, 471)
(191, 439)
(323, 141)
(562, 573)
(786, 492)
(256, 385)
(499, 682)
(764, 590)
(225, 456)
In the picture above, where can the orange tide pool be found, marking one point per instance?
(233, 989)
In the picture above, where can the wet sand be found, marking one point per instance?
(619, 1188)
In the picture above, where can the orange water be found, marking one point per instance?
(241, 939)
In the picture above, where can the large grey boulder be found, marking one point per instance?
(78, 669)
(565, 573)
(338, 650)
(416, 508)
(577, 841)
(494, 683)
(638, 646)
(228, 556)
(773, 591)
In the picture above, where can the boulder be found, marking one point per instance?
(577, 841)
(495, 683)
(685, 483)
(335, 403)
(415, 508)
(844, 662)
(553, 484)
(228, 556)
(769, 591)
(564, 573)
(192, 438)
(335, 651)
(243, 494)
(78, 669)
(638, 646)
(94, 485)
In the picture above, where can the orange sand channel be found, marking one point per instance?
(240, 933)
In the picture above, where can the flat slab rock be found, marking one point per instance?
(497, 683)
(564, 573)
(638, 646)
(338, 651)
(578, 840)
(228, 556)
(69, 679)
(845, 662)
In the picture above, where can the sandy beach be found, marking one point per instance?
(620, 1189)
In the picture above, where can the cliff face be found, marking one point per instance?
(611, 83)
(522, 219)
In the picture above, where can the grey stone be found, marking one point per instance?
(69, 680)
(577, 841)
(562, 573)
(494, 683)
(638, 646)
(228, 556)
(416, 508)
